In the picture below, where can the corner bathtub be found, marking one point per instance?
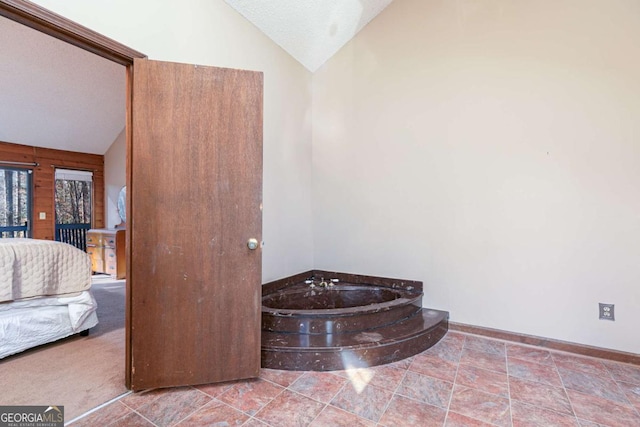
(310, 327)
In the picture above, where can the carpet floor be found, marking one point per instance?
(79, 373)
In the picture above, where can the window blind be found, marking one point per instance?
(74, 175)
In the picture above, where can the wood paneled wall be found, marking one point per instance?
(44, 185)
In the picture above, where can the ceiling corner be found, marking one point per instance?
(311, 31)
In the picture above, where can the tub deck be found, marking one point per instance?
(347, 336)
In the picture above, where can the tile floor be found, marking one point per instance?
(464, 380)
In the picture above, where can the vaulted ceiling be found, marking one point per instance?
(55, 95)
(311, 31)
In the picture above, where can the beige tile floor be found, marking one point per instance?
(464, 380)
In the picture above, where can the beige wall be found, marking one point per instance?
(489, 148)
(486, 147)
(211, 33)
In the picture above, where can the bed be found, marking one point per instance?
(44, 293)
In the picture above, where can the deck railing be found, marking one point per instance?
(14, 231)
(73, 234)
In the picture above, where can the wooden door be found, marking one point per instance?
(195, 190)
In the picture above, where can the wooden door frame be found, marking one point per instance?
(57, 26)
(45, 21)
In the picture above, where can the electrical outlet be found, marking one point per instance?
(606, 311)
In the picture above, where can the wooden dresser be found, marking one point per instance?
(106, 248)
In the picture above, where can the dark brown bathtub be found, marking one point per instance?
(360, 321)
(342, 307)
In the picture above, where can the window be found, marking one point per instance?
(15, 202)
(73, 196)
(73, 206)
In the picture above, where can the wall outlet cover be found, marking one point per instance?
(606, 311)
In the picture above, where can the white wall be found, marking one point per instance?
(489, 148)
(211, 33)
(115, 175)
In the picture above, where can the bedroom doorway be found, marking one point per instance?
(58, 371)
(15, 201)
(220, 146)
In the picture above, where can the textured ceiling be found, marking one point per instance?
(311, 31)
(55, 95)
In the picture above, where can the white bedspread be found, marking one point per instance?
(32, 322)
(31, 268)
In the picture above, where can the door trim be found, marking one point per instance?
(57, 26)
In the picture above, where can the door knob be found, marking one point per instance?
(252, 244)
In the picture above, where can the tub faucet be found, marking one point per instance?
(313, 282)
